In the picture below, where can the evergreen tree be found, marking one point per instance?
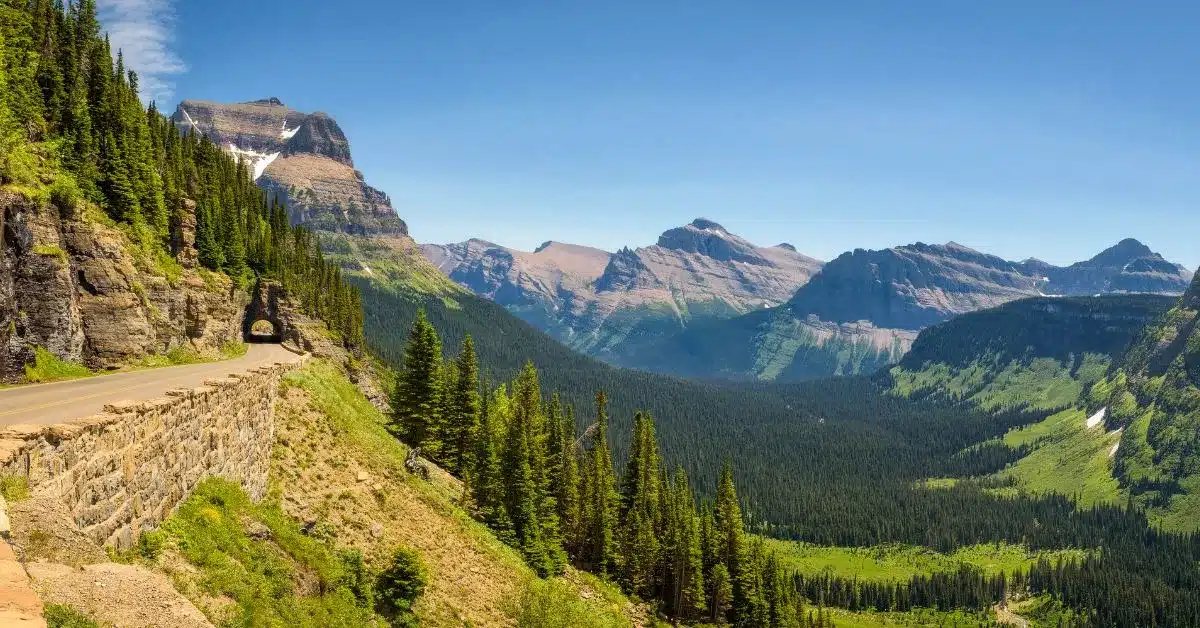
(416, 402)
(486, 490)
(600, 499)
(462, 419)
(566, 487)
(518, 475)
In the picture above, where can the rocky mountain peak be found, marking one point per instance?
(710, 239)
(1121, 253)
(301, 158)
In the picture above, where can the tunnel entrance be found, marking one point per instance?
(264, 331)
(267, 315)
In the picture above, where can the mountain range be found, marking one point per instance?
(706, 303)
(701, 302)
(608, 304)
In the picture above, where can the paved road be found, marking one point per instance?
(61, 401)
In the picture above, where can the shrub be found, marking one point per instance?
(399, 586)
(554, 604)
(66, 195)
(61, 616)
(48, 367)
(14, 488)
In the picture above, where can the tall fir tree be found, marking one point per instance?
(600, 498)
(416, 401)
(463, 418)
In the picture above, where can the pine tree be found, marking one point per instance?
(600, 498)
(567, 485)
(486, 491)
(639, 541)
(417, 398)
(518, 475)
(722, 593)
(463, 418)
(730, 542)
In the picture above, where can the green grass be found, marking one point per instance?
(14, 488)
(921, 617)
(261, 576)
(1039, 384)
(62, 616)
(50, 251)
(48, 367)
(555, 604)
(1068, 459)
(894, 562)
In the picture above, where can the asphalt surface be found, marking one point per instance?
(59, 402)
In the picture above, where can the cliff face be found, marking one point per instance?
(606, 304)
(73, 286)
(303, 158)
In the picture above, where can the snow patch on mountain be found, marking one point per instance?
(287, 133)
(1097, 419)
(258, 161)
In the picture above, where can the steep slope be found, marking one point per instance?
(1117, 375)
(1154, 397)
(608, 305)
(865, 308)
(304, 160)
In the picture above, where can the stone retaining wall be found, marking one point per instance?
(124, 471)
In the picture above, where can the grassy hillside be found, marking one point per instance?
(1121, 361)
(341, 512)
(892, 562)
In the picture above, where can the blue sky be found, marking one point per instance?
(1047, 129)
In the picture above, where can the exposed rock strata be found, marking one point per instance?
(72, 286)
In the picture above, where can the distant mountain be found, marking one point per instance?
(609, 304)
(865, 308)
(304, 160)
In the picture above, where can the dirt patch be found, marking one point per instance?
(43, 529)
(121, 595)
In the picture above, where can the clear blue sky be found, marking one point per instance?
(1048, 129)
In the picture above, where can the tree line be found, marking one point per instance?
(73, 129)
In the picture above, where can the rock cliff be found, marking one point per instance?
(303, 158)
(74, 285)
(606, 304)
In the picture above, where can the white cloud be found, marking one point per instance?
(144, 31)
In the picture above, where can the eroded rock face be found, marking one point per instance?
(303, 159)
(69, 285)
(603, 303)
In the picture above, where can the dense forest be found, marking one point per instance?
(74, 132)
(840, 467)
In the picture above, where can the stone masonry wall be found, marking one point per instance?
(124, 471)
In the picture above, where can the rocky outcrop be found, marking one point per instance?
(72, 286)
(124, 471)
(303, 159)
(606, 304)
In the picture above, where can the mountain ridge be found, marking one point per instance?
(601, 302)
